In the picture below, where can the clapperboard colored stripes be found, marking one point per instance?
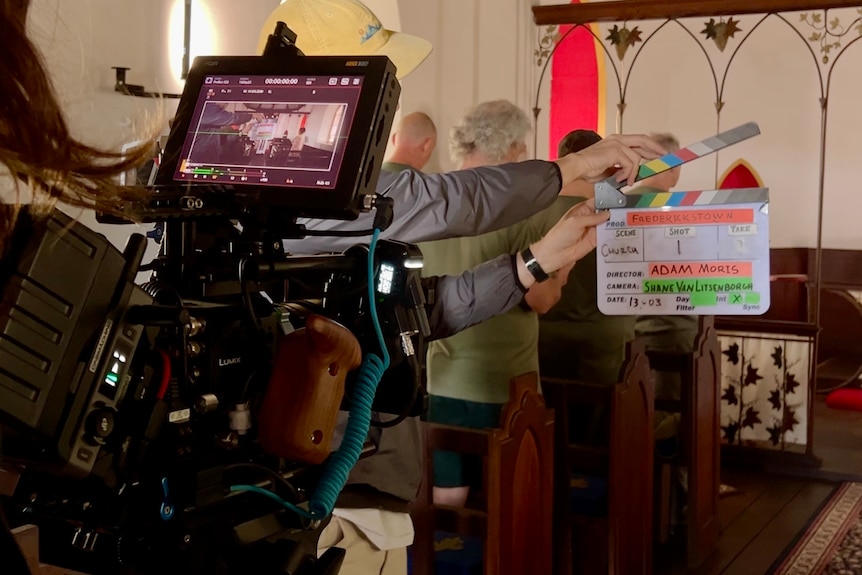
(607, 191)
(698, 150)
(697, 198)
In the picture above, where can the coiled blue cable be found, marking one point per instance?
(340, 463)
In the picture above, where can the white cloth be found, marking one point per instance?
(385, 529)
(361, 557)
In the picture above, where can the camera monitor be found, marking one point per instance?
(303, 134)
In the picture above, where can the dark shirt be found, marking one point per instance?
(576, 340)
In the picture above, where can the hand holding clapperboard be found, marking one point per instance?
(684, 253)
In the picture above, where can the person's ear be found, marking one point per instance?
(518, 151)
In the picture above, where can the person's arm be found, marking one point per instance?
(217, 116)
(458, 302)
(542, 297)
(472, 202)
(619, 151)
(439, 206)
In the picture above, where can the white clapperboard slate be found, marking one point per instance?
(684, 253)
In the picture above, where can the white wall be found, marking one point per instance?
(318, 126)
(773, 81)
(82, 40)
(483, 49)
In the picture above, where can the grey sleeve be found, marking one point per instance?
(455, 303)
(438, 206)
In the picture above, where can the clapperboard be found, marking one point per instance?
(684, 253)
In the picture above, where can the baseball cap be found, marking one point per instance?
(345, 28)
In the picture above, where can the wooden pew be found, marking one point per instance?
(620, 543)
(515, 524)
(698, 432)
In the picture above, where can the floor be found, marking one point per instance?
(758, 522)
(771, 509)
(837, 441)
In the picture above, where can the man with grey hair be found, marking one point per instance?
(469, 372)
(663, 181)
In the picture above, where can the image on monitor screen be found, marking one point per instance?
(269, 131)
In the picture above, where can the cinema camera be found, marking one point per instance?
(186, 424)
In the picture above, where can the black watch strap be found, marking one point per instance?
(533, 266)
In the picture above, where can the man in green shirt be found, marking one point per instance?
(412, 142)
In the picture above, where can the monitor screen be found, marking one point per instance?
(302, 135)
(269, 130)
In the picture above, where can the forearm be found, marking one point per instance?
(571, 168)
(542, 297)
(458, 302)
(439, 206)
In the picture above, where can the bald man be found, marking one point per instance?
(413, 142)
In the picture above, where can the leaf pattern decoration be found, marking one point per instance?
(751, 418)
(732, 353)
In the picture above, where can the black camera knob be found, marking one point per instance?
(100, 424)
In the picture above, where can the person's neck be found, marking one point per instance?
(403, 157)
(478, 160)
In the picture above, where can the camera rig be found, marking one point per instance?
(188, 422)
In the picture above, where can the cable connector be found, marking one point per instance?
(240, 418)
(385, 212)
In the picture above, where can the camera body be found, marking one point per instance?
(129, 412)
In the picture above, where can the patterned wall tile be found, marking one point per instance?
(764, 395)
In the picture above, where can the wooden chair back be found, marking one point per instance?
(699, 429)
(515, 523)
(625, 459)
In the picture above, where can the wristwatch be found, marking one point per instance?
(533, 266)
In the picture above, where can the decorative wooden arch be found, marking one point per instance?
(824, 39)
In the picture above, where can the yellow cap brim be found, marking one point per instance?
(405, 51)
